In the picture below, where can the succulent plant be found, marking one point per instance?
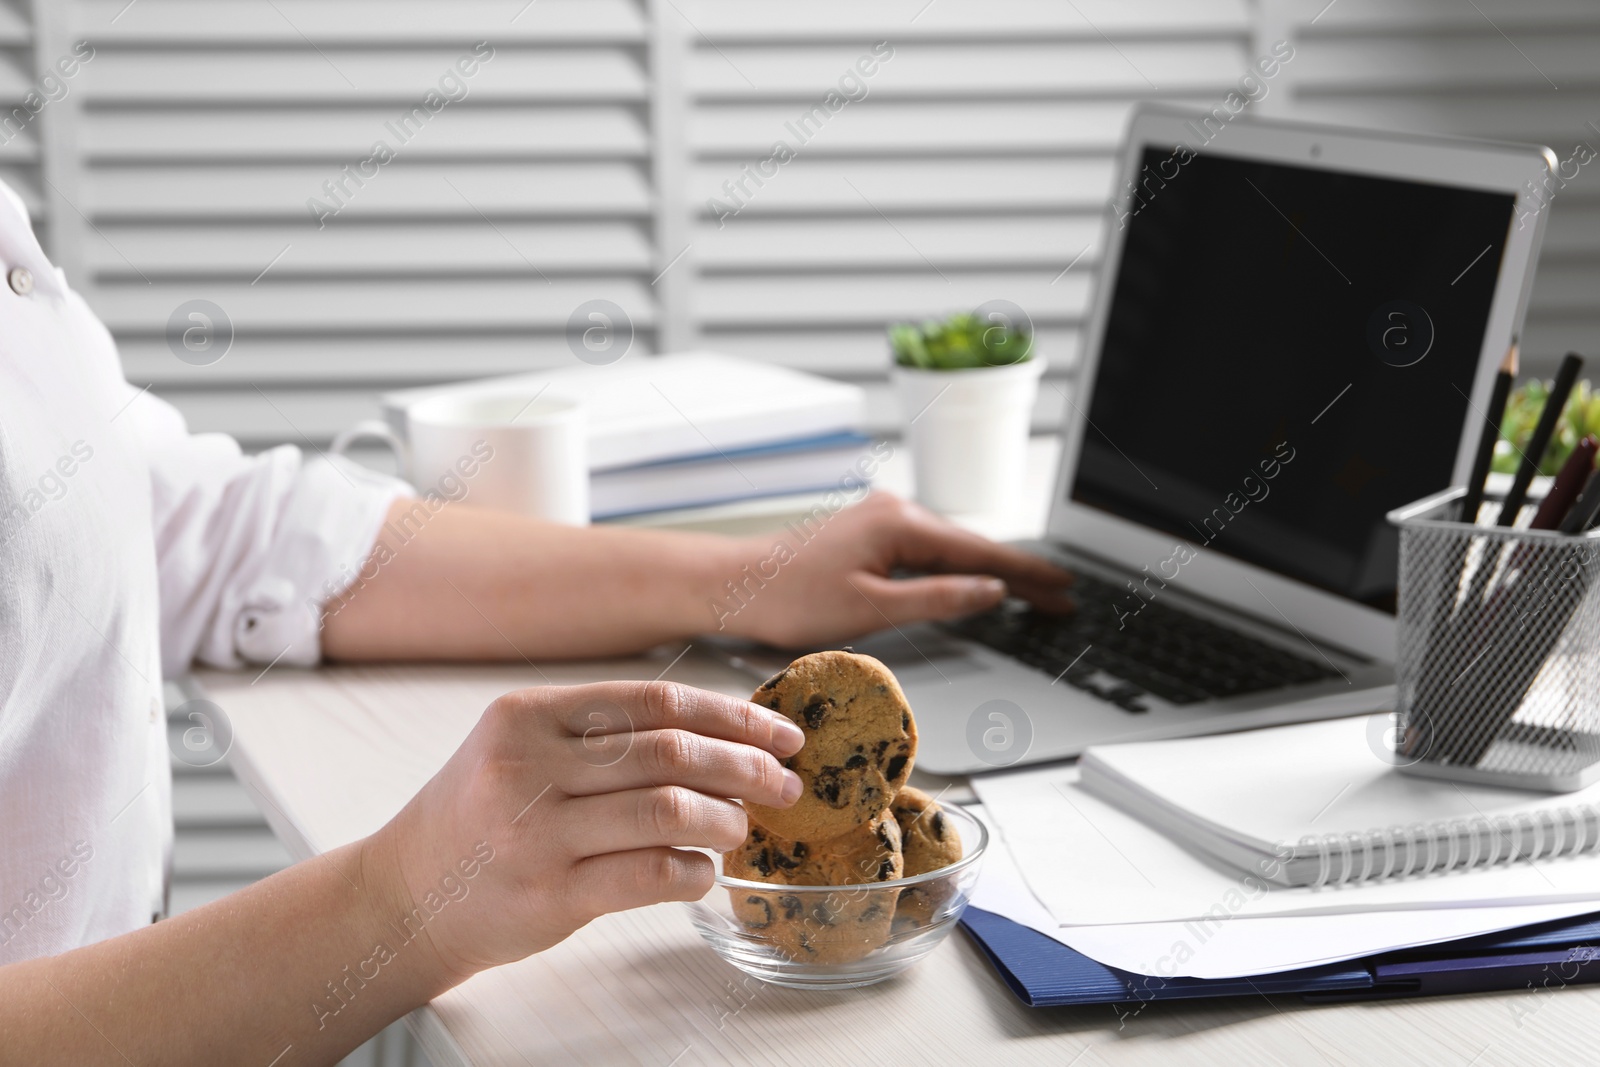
(961, 341)
(1581, 416)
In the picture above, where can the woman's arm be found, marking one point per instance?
(540, 822)
(239, 980)
(463, 583)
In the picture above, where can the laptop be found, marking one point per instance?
(1295, 330)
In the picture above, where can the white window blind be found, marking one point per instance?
(207, 129)
(974, 163)
(19, 122)
(625, 150)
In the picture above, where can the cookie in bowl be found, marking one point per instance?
(929, 844)
(835, 927)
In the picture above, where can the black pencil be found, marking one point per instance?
(1585, 509)
(1492, 418)
(1574, 475)
(1431, 694)
(1454, 708)
(1566, 378)
(1557, 586)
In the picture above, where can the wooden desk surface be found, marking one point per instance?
(332, 754)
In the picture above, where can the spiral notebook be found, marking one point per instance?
(1321, 804)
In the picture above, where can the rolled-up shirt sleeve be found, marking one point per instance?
(250, 548)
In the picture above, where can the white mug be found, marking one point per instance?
(509, 451)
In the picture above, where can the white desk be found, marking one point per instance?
(333, 754)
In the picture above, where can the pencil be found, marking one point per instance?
(1564, 490)
(1489, 435)
(1556, 593)
(1455, 709)
(1585, 509)
(1532, 580)
(1566, 377)
(1432, 696)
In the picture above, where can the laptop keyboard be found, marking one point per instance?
(1163, 650)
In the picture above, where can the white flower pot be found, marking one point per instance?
(968, 431)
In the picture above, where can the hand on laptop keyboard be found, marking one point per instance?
(833, 579)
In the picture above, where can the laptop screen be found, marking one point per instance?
(1288, 355)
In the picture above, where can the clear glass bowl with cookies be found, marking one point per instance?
(865, 873)
(841, 936)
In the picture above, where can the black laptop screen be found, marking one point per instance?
(1288, 356)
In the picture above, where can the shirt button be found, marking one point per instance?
(21, 279)
(155, 709)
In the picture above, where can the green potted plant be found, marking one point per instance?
(966, 387)
(1579, 418)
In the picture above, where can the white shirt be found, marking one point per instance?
(128, 547)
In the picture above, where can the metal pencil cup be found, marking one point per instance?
(1498, 667)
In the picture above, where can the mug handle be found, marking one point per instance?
(373, 430)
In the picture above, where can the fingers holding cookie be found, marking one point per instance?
(841, 833)
(683, 758)
(861, 741)
(619, 708)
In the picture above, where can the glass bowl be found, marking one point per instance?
(843, 936)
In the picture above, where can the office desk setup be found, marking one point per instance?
(332, 754)
(1245, 714)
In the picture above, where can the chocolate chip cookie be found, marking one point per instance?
(834, 927)
(868, 853)
(929, 843)
(860, 743)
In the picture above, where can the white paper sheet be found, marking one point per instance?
(1089, 864)
(1242, 946)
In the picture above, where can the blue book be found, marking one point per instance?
(781, 468)
(1045, 973)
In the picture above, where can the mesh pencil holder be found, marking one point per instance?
(1498, 666)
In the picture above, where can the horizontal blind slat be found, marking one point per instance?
(867, 187)
(726, 20)
(129, 79)
(955, 70)
(839, 297)
(374, 361)
(1433, 16)
(349, 246)
(888, 127)
(403, 188)
(951, 242)
(291, 23)
(338, 136)
(444, 303)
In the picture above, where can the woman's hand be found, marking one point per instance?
(565, 803)
(835, 584)
(476, 585)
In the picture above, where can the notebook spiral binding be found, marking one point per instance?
(1456, 844)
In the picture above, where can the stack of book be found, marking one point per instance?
(694, 429)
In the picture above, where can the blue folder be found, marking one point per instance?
(1045, 973)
